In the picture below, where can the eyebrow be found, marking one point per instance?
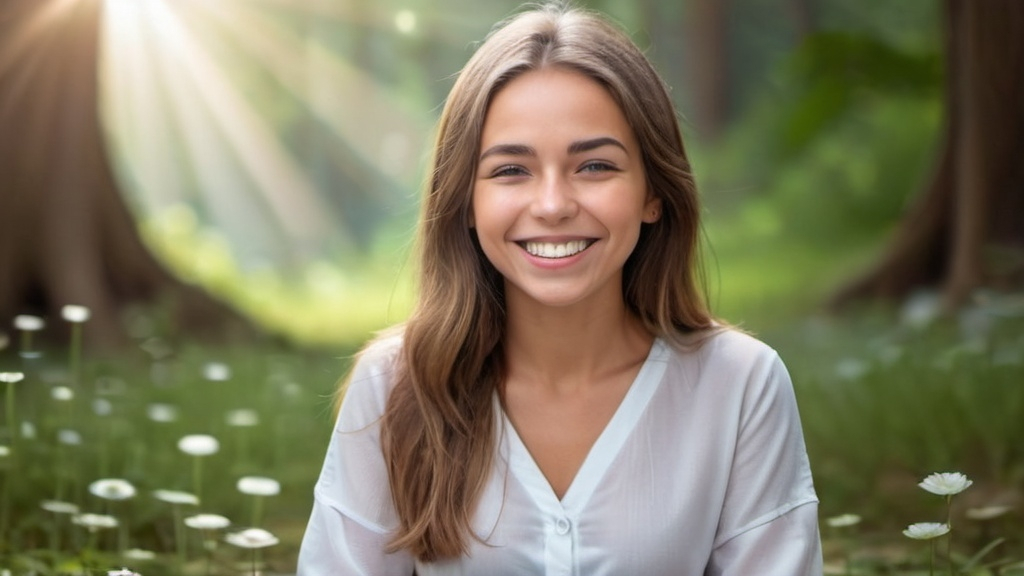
(581, 146)
(508, 150)
(578, 147)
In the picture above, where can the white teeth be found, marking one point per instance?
(552, 250)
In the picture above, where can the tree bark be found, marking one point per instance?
(966, 230)
(66, 235)
(708, 59)
(802, 14)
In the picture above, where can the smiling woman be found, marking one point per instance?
(561, 191)
(562, 399)
(558, 204)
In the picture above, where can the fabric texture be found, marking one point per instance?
(702, 470)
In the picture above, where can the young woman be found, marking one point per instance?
(561, 401)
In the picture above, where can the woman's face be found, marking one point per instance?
(560, 192)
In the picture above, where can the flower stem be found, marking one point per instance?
(122, 536)
(75, 353)
(949, 536)
(209, 545)
(931, 559)
(104, 456)
(243, 449)
(26, 342)
(5, 508)
(12, 425)
(257, 510)
(59, 472)
(54, 533)
(197, 477)
(12, 465)
(179, 536)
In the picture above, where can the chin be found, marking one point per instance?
(553, 298)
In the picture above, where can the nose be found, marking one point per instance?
(554, 199)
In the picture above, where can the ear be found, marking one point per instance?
(652, 209)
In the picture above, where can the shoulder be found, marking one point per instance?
(354, 478)
(378, 357)
(723, 346)
(726, 364)
(371, 379)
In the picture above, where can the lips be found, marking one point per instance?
(555, 250)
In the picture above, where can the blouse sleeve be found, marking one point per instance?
(769, 523)
(353, 516)
(335, 545)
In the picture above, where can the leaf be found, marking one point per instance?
(865, 62)
(832, 71)
(974, 560)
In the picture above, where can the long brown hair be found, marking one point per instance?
(438, 430)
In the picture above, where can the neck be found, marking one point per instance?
(572, 346)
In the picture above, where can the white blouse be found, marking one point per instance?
(702, 470)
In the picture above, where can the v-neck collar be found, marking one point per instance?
(602, 453)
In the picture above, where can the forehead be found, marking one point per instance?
(554, 102)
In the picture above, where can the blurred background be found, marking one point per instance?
(239, 179)
(271, 152)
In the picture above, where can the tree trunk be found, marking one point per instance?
(708, 59)
(967, 229)
(66, 235)
(802, 15)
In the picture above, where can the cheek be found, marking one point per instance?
(476, 203)
(487, 226)
(489, 214)
(628, 225)
(493, 252)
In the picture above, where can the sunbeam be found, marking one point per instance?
(232, 151)
(191, 94)
(358, 108)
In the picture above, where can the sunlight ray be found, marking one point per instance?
(223, 186)
(449, 24)
(363, 15)
(224, 180)
(352, 103)
(127, 92)
(213, 118)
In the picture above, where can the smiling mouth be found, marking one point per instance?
(556, 249)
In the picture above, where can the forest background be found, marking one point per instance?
(234, 184)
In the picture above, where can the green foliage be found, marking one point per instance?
(854, 184)
(832, 70)
(321, 303)
(826, 162)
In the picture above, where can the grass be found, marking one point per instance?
(884, 404)
(114, 413)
